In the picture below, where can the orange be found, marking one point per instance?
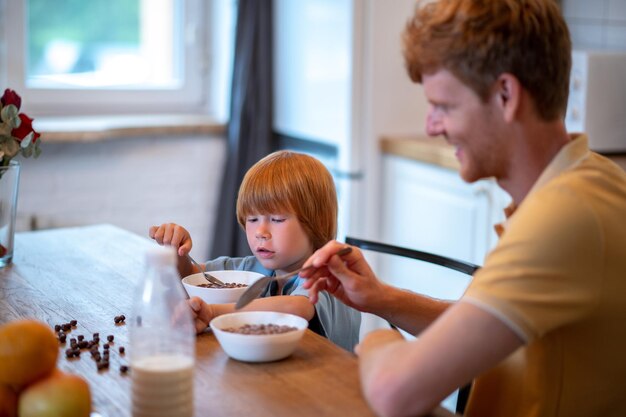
(59, 394)
(8, 401)
(28, 351)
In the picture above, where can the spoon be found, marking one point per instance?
(259, 286)
(207, 276)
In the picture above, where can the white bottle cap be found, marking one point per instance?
(161, 256)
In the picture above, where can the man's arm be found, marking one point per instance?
(407, 310)
(411, 378)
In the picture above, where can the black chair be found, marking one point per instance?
(455, 264)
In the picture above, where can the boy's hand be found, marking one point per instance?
(172, 234)
(201, 312)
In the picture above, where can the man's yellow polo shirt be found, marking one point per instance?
(558, 279)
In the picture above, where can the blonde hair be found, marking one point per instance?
(478, 40)
(292, 182)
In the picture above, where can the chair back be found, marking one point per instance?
(458, 265)
(464, 267)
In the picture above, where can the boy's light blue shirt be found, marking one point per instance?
(338, 322)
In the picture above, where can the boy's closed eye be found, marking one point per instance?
(273, 218)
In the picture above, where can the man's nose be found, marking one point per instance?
(433, 125)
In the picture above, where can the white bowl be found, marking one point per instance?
(219, 295)
(258, 348)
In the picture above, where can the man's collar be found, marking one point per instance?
(568, 157)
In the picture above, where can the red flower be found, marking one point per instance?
(25, 128)
(17, 136)
(11, 97)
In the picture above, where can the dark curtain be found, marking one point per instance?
(250, 135)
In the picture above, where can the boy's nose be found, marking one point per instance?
(262, 234)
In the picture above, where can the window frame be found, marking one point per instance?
(194, 96)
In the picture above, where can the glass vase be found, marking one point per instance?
(9, 183)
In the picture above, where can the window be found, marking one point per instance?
(70, 57)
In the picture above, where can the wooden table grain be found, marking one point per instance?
(89, 273)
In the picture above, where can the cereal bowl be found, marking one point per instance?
(258, 347)
(219, 295)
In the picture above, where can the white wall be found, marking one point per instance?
(392, 103)
(599, 24)
(130, 182)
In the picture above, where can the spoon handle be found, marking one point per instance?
(207, 276)
(259, 286)
(341, 252)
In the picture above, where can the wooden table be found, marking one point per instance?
(88, 274)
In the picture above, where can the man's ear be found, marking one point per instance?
(508, 93)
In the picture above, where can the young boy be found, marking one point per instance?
(287, 205)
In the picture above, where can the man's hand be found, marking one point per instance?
(349, 278)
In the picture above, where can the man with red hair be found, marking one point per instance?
(541, 328)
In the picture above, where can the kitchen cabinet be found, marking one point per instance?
(429, 207)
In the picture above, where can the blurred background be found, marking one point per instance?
(133, 98)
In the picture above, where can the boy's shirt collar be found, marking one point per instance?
(273, 287)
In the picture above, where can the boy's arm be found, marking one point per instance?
(185, 267)
(297, 305)
(292, 304)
